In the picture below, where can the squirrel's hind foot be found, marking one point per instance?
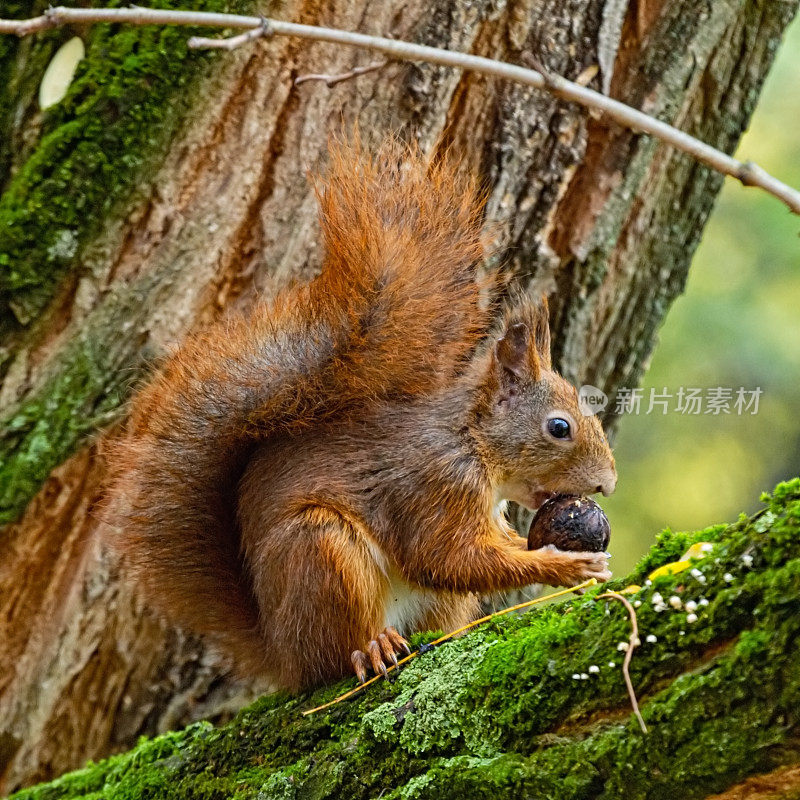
(378, 653)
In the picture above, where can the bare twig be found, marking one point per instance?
(748, 173)
(447, 637)
(332, 80)
(633, 642)
(232, 42)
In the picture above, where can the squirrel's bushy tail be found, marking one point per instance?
(395, 312)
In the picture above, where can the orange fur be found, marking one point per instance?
(290, 480)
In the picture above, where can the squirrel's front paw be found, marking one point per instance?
(570, 568)
(589, 565)
(381, 649)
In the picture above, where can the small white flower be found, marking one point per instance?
(747, 560)
(576, 676)
(651, 638)
(681, 633)
(623, 646)
(584, 676)
(612, 664)
(727, 577)
(660, 607)
(594, 669)
(656, 599)
(701, 579)
(691, 618)
(675, 601)
(695, 573)
(637, 642)
(648, 582)
(691, 606)
(707, 547)
(637, 603)
(703, 601)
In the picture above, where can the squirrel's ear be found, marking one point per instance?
(515, 354)
(541, 333)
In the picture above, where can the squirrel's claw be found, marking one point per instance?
(360, 664)
(398, 642)
(387, 648)
(379, 652)
(376, 657)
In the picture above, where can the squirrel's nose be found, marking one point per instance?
(608, 484)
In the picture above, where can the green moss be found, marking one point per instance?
(9, 45)
(83, 393)
(96, 147)
(42, 432)
(497, 713)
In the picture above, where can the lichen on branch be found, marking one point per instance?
(506, 711)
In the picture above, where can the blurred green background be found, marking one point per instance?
(738, 324)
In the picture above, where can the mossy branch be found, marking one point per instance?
(534, 705)
(747, 173)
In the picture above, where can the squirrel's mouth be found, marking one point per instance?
(528, 494)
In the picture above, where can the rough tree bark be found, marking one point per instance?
(170, 186)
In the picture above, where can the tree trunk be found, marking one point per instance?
(536, 705)
(170, 186)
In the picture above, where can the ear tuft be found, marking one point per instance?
(541, 332)
(512, 349)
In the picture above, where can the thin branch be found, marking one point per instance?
(332, 80)
(446, 638)
(748, 173)
(232, 42)
(632, 643)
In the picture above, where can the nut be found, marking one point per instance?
(570, 522)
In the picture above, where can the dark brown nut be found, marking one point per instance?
(570, 522)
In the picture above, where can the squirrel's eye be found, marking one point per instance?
(558, 428)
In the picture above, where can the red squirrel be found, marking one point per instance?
(308, 485)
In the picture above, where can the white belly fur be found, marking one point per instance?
(405, 605)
